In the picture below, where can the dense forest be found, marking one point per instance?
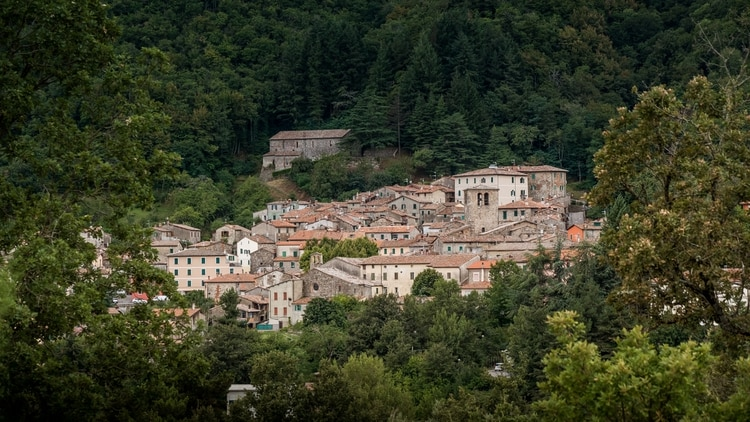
(451, 85)
(109, 109)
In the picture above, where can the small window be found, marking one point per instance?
(449, 248)
(190, 272)
(385, 276)
(203, 260)
(171, 250)
(523, 212)
(176, 261)
(218, 260)
(522, 180)
(316, 286)
(190, 261)
(372, 276)
(190, 283)
(449, 276)
(294, 254)
(292, 264)
(411, 276)
(515, 213)
(218, 272)
(275, 295)
(484, 180)
(285, 296)
(231, 271)
(283, 254)
(393, 251)
(505, 215)
(176, 272)
(203, 271)
(275, 311)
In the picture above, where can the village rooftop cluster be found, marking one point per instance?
(458, 226)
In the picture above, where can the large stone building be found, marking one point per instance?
(286, 146)
(545, 182)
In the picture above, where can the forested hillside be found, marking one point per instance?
(459, 84)
(107, 109)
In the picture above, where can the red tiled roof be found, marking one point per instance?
(481, 264)
(280, 224)
(303, 300)
(479, 285)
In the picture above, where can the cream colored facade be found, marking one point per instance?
(510, 185)
(396, 274)
(281, 296)
(191, 267)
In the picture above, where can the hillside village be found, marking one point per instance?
(458, 225)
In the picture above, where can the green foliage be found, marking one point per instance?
(229, 301)
(250, 196)
(425, 281)
(322, 311)
(682, 163)
(375, 394)
(361, 247)
(639, 382)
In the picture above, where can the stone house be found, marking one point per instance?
(411, 206)
(231, 233)
(181, 232)
(338, 276)
(286, 146)
(521, 210)
(262, 259)
(164, 248)
(276, 209)
(216, 286)
(275, 229)
(545, 182)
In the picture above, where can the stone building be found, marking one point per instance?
(286, 146)
(545, 182)
(339, 276)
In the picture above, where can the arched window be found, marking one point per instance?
(484, 180)
(512, 193)
(479, 199)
